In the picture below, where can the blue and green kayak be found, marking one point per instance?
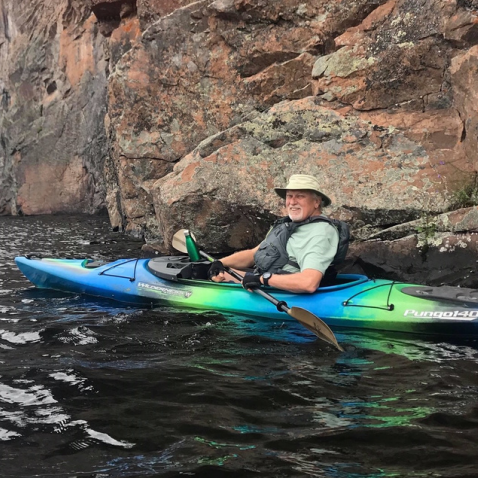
(353, 301)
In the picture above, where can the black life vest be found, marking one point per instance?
(272, 253)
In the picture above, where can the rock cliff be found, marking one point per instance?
(53, 79)
(185, 114)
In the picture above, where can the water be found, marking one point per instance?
(96, 389)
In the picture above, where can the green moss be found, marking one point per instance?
(467, 196)
(426, 230)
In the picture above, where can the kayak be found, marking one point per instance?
(352, 301)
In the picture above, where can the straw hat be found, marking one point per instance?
(303, 181)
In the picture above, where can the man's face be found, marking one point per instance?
(301, 204)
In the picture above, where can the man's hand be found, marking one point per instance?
(216, 268)
(251, 281)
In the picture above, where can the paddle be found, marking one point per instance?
(303, 316)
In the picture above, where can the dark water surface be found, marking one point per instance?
(96, 389)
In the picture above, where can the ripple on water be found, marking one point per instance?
(19, 338)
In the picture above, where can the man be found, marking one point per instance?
(297, 251)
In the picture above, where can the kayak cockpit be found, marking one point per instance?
(178, 267)
(174, 268)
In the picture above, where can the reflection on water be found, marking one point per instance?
(93, 388)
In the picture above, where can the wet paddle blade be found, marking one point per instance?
(315, 325)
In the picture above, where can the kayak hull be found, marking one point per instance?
(354, 302)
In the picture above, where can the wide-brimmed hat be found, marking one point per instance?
(303, 181)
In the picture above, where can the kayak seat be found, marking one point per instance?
(178, 267)
(195, 270)
(200, 270)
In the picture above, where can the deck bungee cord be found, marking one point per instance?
(390, 307)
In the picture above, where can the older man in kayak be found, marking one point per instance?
(298, 249)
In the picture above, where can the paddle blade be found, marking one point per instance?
(315, 325)
(179, 241)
